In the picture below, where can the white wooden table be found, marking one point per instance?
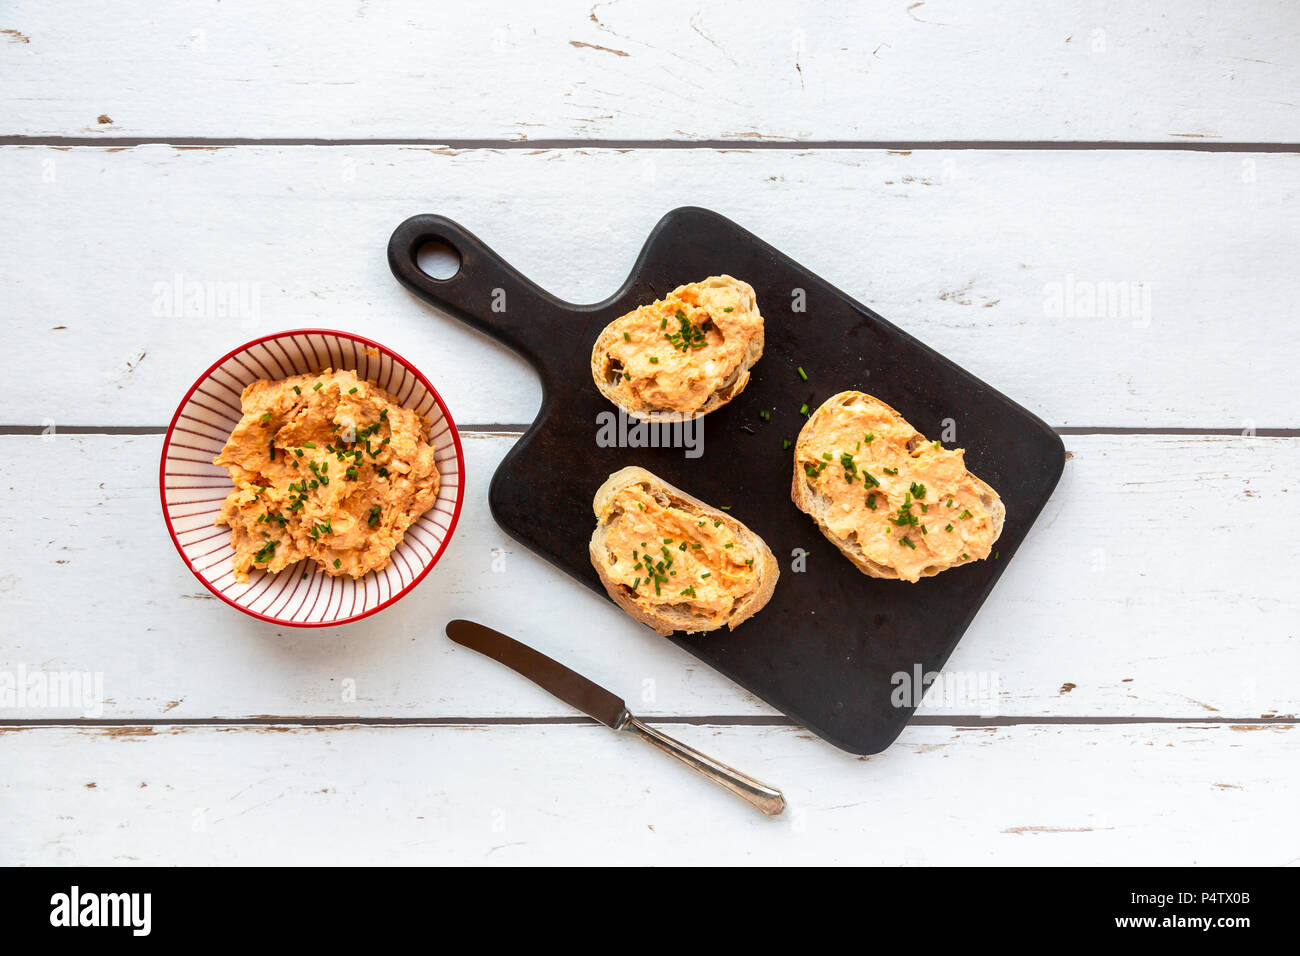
(954, 165)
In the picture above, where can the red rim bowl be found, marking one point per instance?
(192, 488)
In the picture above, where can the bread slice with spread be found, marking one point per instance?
(897, 505)
(683, 355)
(673, 562)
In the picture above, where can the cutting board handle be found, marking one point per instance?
(486, 292)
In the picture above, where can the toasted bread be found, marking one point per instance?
(683, 355)
(895, 504)
(728, 570)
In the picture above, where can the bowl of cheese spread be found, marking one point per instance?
(311, 477)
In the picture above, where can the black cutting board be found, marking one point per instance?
(826, 647)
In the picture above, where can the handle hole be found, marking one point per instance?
(438, 259)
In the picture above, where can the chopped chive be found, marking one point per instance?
(352, 390)
(317, 387)
(803, 409)
(337, 562)
(802, 374)
(966, 514)
(907, 541)
(654, 360)
(726, 507)
(871, 501)
(785, 444)
(948, 528)
(626, 337)
(727, 308)
(297, 390)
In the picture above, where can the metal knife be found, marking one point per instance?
(598, 703)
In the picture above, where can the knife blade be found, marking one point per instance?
(548, 674)
(607, 708)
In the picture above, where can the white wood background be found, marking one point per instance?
(943, 162)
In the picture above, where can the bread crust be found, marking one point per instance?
(806, 498)
(733, 385)
(668, 619)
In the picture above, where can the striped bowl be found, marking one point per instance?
(192, 488)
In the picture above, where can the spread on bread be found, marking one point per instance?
(674, 562)
(686, 353)
(328, 467)
(896, 504)
(665, 555)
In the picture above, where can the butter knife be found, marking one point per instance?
(603, 706)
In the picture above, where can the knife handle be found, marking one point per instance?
(759, 794)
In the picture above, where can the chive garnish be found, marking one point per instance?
(802, 374)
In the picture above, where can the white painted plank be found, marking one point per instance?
(1160, 581)
(963, 249)
(938, 70)
(1063, 795)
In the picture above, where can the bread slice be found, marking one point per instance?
(830, 430)
(681, 381)
(749, 586)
